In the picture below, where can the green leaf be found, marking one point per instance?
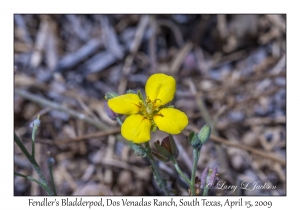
(138, 149)
(110, 95)
(130, 91)
(140, 95)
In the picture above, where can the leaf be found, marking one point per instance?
(140, 95)
(138, 149)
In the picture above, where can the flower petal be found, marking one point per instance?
(171, 120)
(162, 87)
(136, 128)
(125, 104)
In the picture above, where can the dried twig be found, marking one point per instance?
(82, 138)
(40, 43)
(247, 148)
(141, 173)
(152, 45)
(67, 176)
(244, 147)
(175, 29)
(178, 59)
(75, 58)
(23, 29)
(46, 103)
(133, 50)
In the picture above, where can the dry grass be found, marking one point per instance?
(230, 71)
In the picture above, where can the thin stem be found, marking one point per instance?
(33, 143)
(34, 164)
(152, 161)
(35, 126)
(155, 169)
(196, 155)
(22, 147)
(119, 121)
(180, 171)
(29, 178)
(205, 191)
(51, 176)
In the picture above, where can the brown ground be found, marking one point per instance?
(230, 71)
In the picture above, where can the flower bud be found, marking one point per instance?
(204, 133)
(209, 178)
(174, 148)
(212, 177)
(194, 140)
(110, 113)
(162, 150)
(36, 123)
(110, 95)
(166, 149)
(203, 177)
(160, 156)
(50, 161)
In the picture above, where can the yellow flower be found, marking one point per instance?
(146, 115)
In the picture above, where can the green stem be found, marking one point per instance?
(51, 176)
(180, 171)
(205, 191)
(34, 130)
(153, 163)
(32, 143)
(155, 169)
(34, 165)
(196, 155)
(119, 121)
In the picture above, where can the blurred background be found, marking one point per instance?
(230, 72)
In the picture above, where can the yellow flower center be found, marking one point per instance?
(149, 108)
